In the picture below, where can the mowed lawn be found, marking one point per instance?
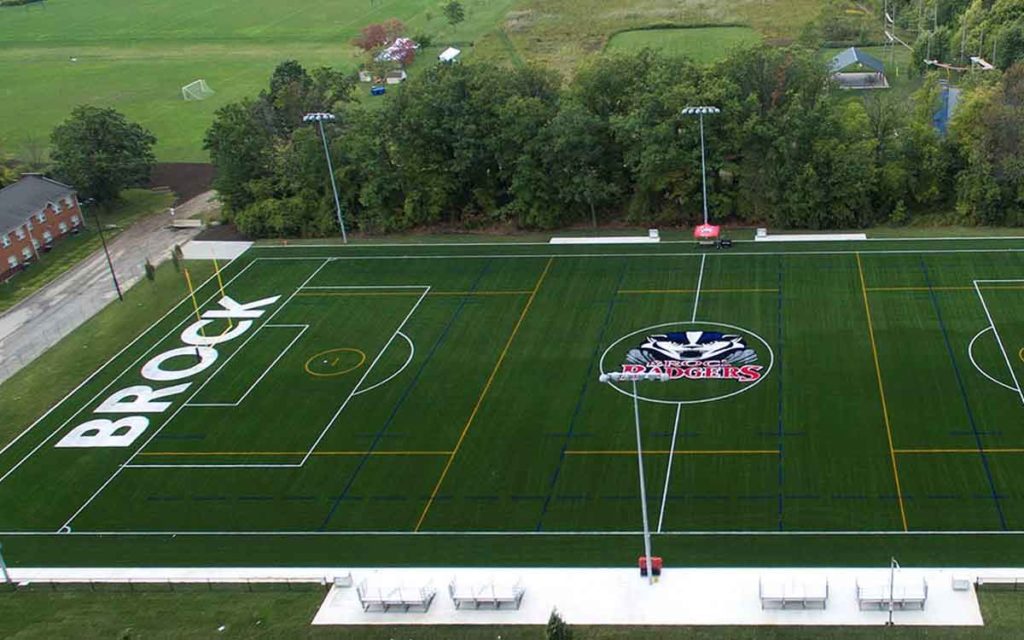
(454, 390)
(136, 56)
(703, 45)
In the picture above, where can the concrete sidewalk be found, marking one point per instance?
(41, 320)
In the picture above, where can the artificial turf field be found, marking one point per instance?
(422, 404)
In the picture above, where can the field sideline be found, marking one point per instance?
(370, 406)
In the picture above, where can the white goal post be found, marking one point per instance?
(197, 90)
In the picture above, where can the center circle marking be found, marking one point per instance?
(313, 358)
(695, 325)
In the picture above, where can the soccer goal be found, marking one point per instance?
(197, 90)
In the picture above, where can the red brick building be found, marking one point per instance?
(35, 212)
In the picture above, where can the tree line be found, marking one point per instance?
(474, 145)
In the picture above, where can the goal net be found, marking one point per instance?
(197, 90)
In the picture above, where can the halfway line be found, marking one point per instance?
(483, 394)
(881, 392)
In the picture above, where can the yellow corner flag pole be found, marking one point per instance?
(220, 283)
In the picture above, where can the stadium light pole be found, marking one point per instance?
(700, 112)
(320, 118)
(616, 376)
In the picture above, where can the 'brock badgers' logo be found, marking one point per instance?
(695, 355)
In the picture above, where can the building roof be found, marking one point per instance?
(449, 54)
(854, 55)
(20, 200)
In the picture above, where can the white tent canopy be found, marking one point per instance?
(449, 54)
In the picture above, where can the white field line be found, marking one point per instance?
(545, 244)
(738, 254)
(668, 471)
(156, 432)
(303, 327)
(365, 286)
(999, 340)
(412, 352)
(700, 280)
(82, 407)
(970, 354)
(352, 394)
(105, 364)
(525, 533)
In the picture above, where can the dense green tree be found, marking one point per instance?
(99, 152)
(453, 12)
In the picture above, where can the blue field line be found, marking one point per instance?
(975, 433)
(405, 394)
(963, 395)
(779, 376)
(583, 392)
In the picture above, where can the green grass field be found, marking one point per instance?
(704, 45)
(431, 404)
(136, 56)
(77, 612)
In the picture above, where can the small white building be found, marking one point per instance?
(365, 76)
(449, 55)
(397, 76)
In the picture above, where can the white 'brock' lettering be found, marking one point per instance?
(124, 431)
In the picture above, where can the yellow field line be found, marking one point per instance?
(483, 393)
(642, 291)
(971, 288)
(294, 453)
(377, 294)
(974, 450)
(678, 452)
(881, 393)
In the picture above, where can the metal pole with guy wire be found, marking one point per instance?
(634, 377)
(319, 118)
(3, 566)
(700, 112)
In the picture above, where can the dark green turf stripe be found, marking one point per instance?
(963, 395)
(405, 394)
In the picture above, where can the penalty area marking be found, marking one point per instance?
(359, 352)
(995, 332)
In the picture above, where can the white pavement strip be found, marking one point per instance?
(214, 250)
(682, 596)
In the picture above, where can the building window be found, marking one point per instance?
(25, 252)
(47, 236)
(35, 243)
(5, 240)
(63, 226)
(19, 234)
(75, 221)
(41, 216)
(12, 261)
(29, 224)
(69, 202)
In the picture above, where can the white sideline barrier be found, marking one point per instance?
(783, 593)
(811, 237)
(607, 240)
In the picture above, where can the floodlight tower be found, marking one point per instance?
(320, 118)
(701, 112)
(610, 378)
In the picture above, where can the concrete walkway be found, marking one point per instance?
(41, 320)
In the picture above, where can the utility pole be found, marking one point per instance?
(106, 251)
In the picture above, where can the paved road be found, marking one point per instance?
(38, 322)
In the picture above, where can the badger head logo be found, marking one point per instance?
(693, 346)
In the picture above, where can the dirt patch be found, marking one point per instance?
(222, 233)
(186, 179)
